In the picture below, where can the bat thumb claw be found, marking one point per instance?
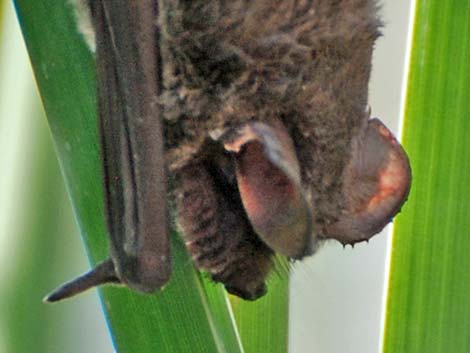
(101, 274)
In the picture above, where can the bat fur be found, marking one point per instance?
(306, 62)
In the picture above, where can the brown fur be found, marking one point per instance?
(229, 62)
(218, 235)
(308, 62)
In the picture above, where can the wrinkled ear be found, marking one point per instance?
(376, 184)
(268, 177)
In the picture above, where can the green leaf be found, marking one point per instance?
(429, 302)
(35, 214)
(41, 216)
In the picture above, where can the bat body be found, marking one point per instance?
(257, 112)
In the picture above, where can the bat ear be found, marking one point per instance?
(376, 184)
(268, 177)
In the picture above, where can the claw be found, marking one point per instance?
(101, 274)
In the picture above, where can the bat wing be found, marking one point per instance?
(127, 61)
(268, 178)
(132, 142)
(376, 184)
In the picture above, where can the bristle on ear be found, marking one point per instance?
(101, 274)
(268, 180)
(376, 184)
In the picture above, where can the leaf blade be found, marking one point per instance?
(428, 277)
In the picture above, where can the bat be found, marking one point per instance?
(251, 118)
